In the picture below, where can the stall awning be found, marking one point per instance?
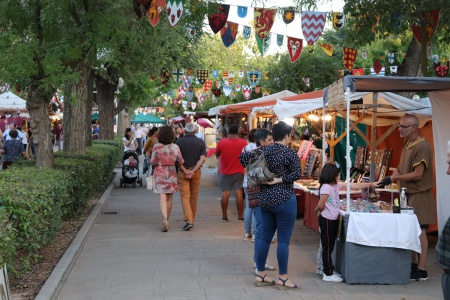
(10, 102)
(141, 118)
(247, 106)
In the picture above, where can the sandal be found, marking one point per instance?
(263, 281)
(286, 287)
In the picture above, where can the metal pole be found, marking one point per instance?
(347, 157)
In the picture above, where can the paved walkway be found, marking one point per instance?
(126, 256)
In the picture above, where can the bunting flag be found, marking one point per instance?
(218, 20)
(266, 76)
(165, 76)
(224, 74)
(190, 93)
(154, 11)
(312, 25)
(187, 81)
(377, 59)
(338, 20)
(393, 69)
(242, 11)
(358, 72)
(196, 81)
(253, 78)
(193, 105)
(181, 91)
(264, 19)
(233, 95)
(241, 74)
(190, 72)
(391, 57)
(432, 19)
(141, 7)
(216, 92)
(227, 89)
(246, 32)
(246, 91)
(208, 85)
(177, 74)
(218, 84)
(288, 15)
(280, 39)
(327, 48)
(198, 92)
(310, 48)
(184, 104)
(364, 54)
(306, 81)
(295, 48)
(202, 75)
(265, 92)
(191, 31)
(257, 89)
(440, 69)
(229, 33)
(174, 11)
(215, 73)
(201, 99)
(349, 58)
(237, 87)
(230, 77)
(263, 45)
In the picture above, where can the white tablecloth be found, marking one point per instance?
(384, 230)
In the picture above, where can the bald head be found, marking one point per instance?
(411, 119)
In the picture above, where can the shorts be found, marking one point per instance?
(231, 182)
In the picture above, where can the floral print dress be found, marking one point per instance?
(163, 161)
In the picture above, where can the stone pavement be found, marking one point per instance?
(124, 255)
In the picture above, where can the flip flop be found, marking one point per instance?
(286, 287)
(263, 281)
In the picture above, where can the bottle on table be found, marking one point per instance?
(403, 199)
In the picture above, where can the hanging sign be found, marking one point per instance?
(264, 19)
(246, 32)
(242, 11)
(328, 49)
(263, 45)
(349, 58)
(174, 11)
(253, 78)
(154, 11)
(313, 23)
(295, 48)
(288, 15)
(228, 33)
(202, 75)
(280, 39)
(218, 20)
(432, 19)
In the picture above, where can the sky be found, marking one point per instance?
(293, 29)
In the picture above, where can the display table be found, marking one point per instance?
(376, 248)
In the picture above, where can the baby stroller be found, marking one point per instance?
(130, 173)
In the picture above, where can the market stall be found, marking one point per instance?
(12, 109)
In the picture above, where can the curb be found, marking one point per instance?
(54, 283)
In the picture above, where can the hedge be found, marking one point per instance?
(34, 201)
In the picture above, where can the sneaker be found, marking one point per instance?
(319, 271)
(187, 226)
(419, 275)
(253, 239)
(274, 239)
(414, 267)
(332, 278)
(337, 274)
(247, 236)
(224, 219)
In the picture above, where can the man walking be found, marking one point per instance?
(231, 171)
(193, 151)
(415, 173)
(138, 136)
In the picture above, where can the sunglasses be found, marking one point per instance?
(406, 126)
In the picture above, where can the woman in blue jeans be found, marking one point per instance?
(278, 205)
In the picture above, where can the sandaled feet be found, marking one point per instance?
(284, 284)
(165, 227)
(264, 281)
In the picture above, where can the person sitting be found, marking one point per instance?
(131, 170)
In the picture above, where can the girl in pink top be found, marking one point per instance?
(328, 211)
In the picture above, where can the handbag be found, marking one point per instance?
(149, 183)
(253, 196)
(257, 170)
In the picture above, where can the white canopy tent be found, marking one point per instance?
(10, 102)
(439, 92)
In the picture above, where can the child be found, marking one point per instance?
(328, 211)
(131, 167)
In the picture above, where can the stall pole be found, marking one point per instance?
(373, 137)
(324, 142)
(348, 160)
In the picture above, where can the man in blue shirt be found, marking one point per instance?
(6, 135)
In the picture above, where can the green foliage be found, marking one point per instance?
(8, 242)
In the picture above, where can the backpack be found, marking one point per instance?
(257, 170)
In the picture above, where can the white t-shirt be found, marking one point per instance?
(19, 135)
(331, 210)
(138, 133)
(132, 146)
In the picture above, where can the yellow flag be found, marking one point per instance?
(327, 48)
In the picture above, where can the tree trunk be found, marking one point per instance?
(411, 64)
(123, 121)
(105, 102)
(37, 106)
(77, 111)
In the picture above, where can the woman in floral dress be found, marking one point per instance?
(164, 157)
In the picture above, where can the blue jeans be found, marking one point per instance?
(257, 229)
(282, 218)
(249, 222)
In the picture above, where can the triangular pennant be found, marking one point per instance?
(242, 11)
(280, 39)
(288, 15)
(219, 19)
(263, 45)
(154, 12)
(313, 23)
(253, 78)
(432, 19)
(191, 31)
(141, 7)
(264, 19)
(227, 89)
(246, 32)
(193, 105)
(294, 47)
(187, 81)
(184, 104)
(202, 75)
(338, 20)
(174, 11)
(327, 48)
(377, 59)
(349, 58)
(237, 87)
(228, 33)
(257, 89)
